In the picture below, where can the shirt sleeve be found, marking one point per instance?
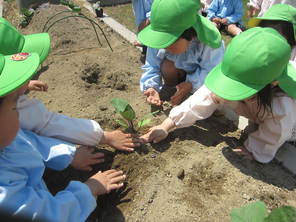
(19, 198)
(209, 59)
(151, 78)
(213, 8)
(34, 116)
(274, 131)
(197, 107)
(255, 3)
(237, 15)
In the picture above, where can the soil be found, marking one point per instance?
(193, 175)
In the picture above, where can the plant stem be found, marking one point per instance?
(131, 124)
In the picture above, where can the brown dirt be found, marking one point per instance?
(83, 77)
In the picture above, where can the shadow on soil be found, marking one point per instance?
(271, 173)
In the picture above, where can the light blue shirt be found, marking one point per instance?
(141, 10)
(229, 9)
(22, 189)
(198, 60)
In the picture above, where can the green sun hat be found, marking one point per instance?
(252, 60)
(11, 41)
(170, 18)
(287, 81)
(15, 70)
(280, 12)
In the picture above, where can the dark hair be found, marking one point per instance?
(264, 98)
(1, 100)
(283, 27)
(189, 34)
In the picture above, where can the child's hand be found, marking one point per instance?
(183, 89)
(84, 157)
(224, 21)
(105, 182)
(153, 97)
(251, 11)
(36, 85)
(242, 151)
(155, 134)
(121, 141)
(216, 20)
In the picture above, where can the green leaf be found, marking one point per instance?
(122, 123)
(124, 109)
(254, 212)
(143, 122)
(119, 104)
(282, 214)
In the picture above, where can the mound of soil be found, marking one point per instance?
(193, 175)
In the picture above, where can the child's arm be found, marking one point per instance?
(237, 15)
(213, 8)
(209, 59)
(273, 132)
(199, 106)
(151, 78)
(35, 117)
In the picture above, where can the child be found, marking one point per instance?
(64, 127)
(142, 10)
(262, 6)
(281, 17)
(24, 155)
(182, 51)
(227, 14)
(255, 81)
(205, 4)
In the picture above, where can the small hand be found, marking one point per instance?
(121, 141)
(153, 97)
(242, 151)
(217, 20)
(183, 89)
(84, 157)
(224, 21)
(105, 182)
(155, 134)
(251, 12)
(36, 85)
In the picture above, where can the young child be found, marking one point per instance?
(24, 155)
(182, 48)
(142, 10)
(227, 14)
(281, 17)
(64, 126)
(205, 4)
(256, 81)
(263, 5)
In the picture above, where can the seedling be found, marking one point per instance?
(27, 15)
(71, 5)
(127, 112)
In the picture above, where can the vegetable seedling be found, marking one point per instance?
(127, 112)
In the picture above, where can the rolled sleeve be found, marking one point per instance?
(34, 116)
(197, 107)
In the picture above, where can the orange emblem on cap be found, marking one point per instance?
(20, 56)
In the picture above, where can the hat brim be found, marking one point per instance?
(39, 43)
(157, 39)
(207, 32)
(16, 73)
(228, 88)
(287, 81)
(254, 22)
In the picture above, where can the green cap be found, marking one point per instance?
(252, 60)
(280, 12)
(170, 18)
(287, 81)
(11, 41)
(15, 70)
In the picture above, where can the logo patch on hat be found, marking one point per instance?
(20, 56)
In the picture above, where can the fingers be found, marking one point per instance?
(116, 186)
(98, 155)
